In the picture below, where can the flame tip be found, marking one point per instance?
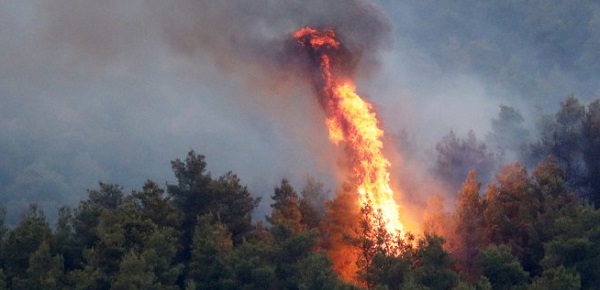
(351, 120)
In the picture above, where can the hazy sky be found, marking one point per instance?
(115, 90)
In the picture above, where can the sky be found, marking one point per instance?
(114, 90)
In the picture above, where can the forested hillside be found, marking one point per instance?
(531, 228)
(493, 108)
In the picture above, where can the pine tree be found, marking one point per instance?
(252, 263)
(433, 265)
(212, 246)
(153, 205)
(468, 237)
(436, 220)
(312, 203)
(197, 193)
(315, 273)
(575, 245)
(501, 268)
(134, 274)
(338, 225)
(385, 259)
(45, 271)
(159, 252)
(513, 206)
(109, 196)
(367, 243)
(286, 207)
(102, 261)
(22, 242)
(191, 196)
(234, 205)
(557, 279)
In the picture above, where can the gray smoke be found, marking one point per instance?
(114, 90)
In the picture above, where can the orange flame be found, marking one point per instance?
(351, 120)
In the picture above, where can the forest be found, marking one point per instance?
(105, 91)
(535, 228)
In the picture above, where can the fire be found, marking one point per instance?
(352, 121)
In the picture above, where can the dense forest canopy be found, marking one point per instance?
(527, 230)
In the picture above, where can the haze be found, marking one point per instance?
(115, 90)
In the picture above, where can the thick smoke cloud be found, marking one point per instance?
(252, 38)
(114, 90)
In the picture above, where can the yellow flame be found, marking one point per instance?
(352, 121)
(364, 138)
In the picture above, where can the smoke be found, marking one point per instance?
(114, 90)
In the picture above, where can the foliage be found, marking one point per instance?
(501, 268)
(286, 207)
(434, 265)
(529, 231)
(436, 220)
(21, 243)
(457, 156)
(336, 230)
(562, 137)
(557, 279)
(468, 236)
(312, 202)
(575, 245)
(507, 135)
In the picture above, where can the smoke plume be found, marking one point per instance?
(114, 90)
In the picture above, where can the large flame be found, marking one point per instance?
(351, 120)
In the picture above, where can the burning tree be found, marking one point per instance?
(353, 122)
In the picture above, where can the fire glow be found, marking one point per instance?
(352, 121)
